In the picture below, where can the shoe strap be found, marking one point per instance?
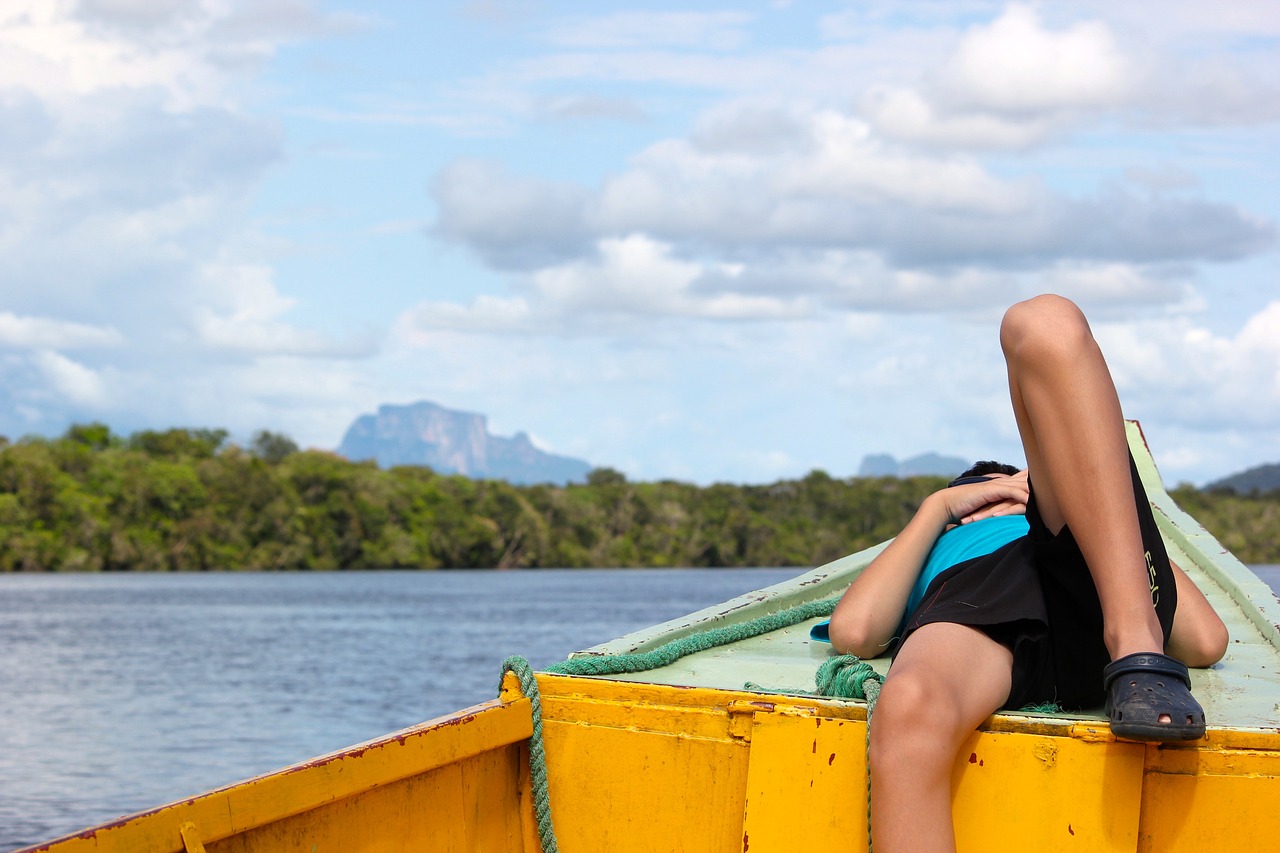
(1145, 662)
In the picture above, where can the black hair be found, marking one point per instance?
(988, 466)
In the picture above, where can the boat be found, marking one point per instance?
(687, 756)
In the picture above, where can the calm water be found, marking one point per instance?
(122, 692)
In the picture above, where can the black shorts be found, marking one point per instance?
(1036, 597)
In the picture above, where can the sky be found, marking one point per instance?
(701, 241)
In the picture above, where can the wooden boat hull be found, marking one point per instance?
(686, 759)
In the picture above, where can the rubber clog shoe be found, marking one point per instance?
(1142, 687)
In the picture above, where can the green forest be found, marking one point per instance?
(188, 500)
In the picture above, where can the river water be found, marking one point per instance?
(121, 692)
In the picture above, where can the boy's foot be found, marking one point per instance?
(1149, 698)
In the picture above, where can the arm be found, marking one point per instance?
(869, 612)
(871, 608)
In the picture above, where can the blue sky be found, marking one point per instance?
(700, 241)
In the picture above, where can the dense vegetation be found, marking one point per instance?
(1246, 525)
(185, 500)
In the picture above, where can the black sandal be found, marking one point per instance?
(1142, 687)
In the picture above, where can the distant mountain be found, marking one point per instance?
(454, 443)
(926, 464)
(1264, 478)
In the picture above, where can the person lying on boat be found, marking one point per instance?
(1044, 585)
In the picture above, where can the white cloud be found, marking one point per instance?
(483, 315)
(626, 282)
(74, 382)
(243, 313)
(1209, 403)
(510, 220)
(1187, 376)
(846, 161)
(756, 179)
(1015, 65)
(775, 173)
(191, 51)
(635, 276)
(629, 279)
(1013, 83)
(1117, 284)
(905, 114)
(975, 74)
(47, 333)
(1019, 82)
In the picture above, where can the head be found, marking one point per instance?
(985, 468)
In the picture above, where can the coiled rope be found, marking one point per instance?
(844, 677)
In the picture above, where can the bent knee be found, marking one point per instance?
(911, 702)
(1044, 325)
(1204, 646)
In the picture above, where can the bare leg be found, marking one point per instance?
(1072, 430)
(944, 682)
(1198, 637)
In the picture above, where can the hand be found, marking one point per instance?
(1000, 495)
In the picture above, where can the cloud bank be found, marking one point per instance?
(126, 169)
(706, 243)
(925, 188)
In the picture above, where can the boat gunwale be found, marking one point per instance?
(558, 689)
(1259, 603)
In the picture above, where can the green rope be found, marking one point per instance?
(537, 752)
(1042, 708)
(840, 677)
(848, 677)
(671, 652)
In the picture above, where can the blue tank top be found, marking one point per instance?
(964, 542)
(953, 547)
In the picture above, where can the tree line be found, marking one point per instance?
(188, 500)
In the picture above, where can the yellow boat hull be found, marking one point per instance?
(643, 767)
